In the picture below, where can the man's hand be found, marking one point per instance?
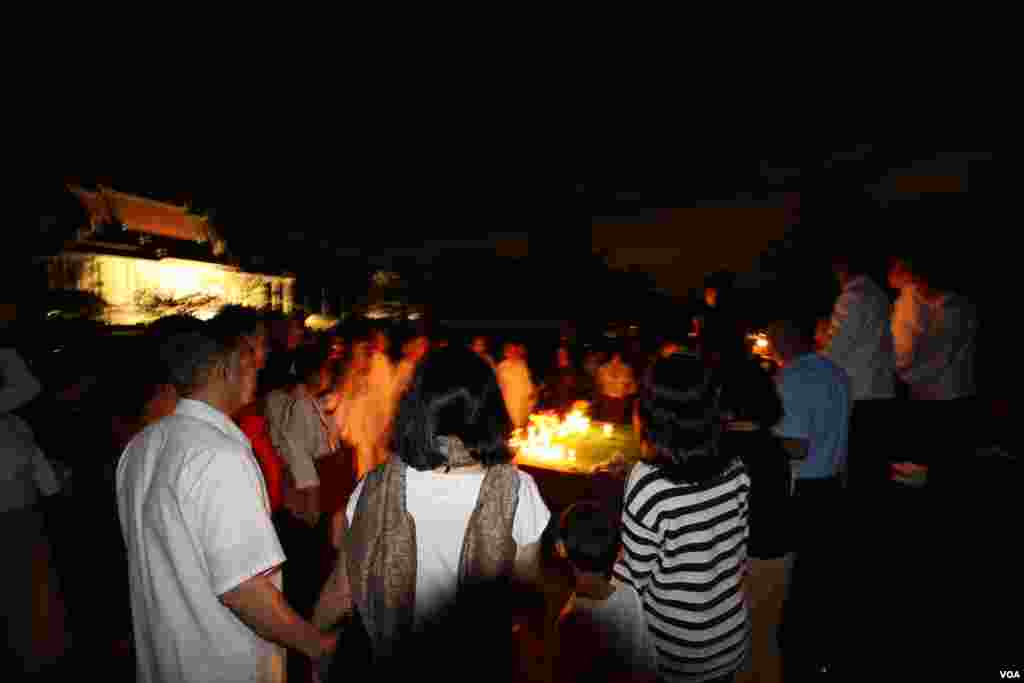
(326, 646)
(262, 607)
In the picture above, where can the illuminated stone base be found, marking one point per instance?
(139, 290)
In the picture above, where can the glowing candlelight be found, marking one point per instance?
(608, 429)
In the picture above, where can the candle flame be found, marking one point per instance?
(538, 442)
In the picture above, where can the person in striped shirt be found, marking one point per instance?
(684, 526)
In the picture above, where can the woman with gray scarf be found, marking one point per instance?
(432, 538)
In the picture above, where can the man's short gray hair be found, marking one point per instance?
(191, 358)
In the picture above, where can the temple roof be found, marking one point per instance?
(139, 214)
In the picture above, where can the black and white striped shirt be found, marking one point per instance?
(685, 550)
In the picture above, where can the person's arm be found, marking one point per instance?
(845, 326)
(262, 607)
(18, 385)
(641, 546)
(531, 519)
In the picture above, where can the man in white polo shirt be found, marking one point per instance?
(204, 559)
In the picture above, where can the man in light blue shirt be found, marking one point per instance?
(816, 404)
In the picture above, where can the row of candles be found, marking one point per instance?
(539, 440)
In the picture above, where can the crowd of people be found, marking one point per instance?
(262, 505)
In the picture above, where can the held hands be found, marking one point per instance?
(326, 647)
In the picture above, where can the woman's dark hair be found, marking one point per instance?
(453, 393)
(679, 419)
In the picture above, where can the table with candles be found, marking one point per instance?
(572, 457)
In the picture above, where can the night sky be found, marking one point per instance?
(714, 211)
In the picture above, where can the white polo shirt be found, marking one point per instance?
(196, 520)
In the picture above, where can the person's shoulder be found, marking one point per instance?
(826, 364)
(526, 480)
(198, 442)
(645, 481)
(626, 594)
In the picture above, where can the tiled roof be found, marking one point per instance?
(149, 216)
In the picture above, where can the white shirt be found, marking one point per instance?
(861, 339)
(300, 432)
(440, 505)
(18, 385)
(24, 471)
(943, 367)
(620, 625)
(196, 521)
(517, 389)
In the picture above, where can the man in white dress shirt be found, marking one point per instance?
(204, 560)
(860, 342)
(939, 336)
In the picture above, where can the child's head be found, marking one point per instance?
(589, 538)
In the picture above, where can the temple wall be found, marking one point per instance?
(130, 285)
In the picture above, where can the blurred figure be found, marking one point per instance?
(516, 386)
(562, 388)
(592, 362)
(31, 613)
(669, 348)
(716, 318)
(365, 403)
(616, 384)
(412, 353)
(479, 347)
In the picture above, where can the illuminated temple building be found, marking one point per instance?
(146, 259)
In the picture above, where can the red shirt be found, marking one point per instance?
(254, 425)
